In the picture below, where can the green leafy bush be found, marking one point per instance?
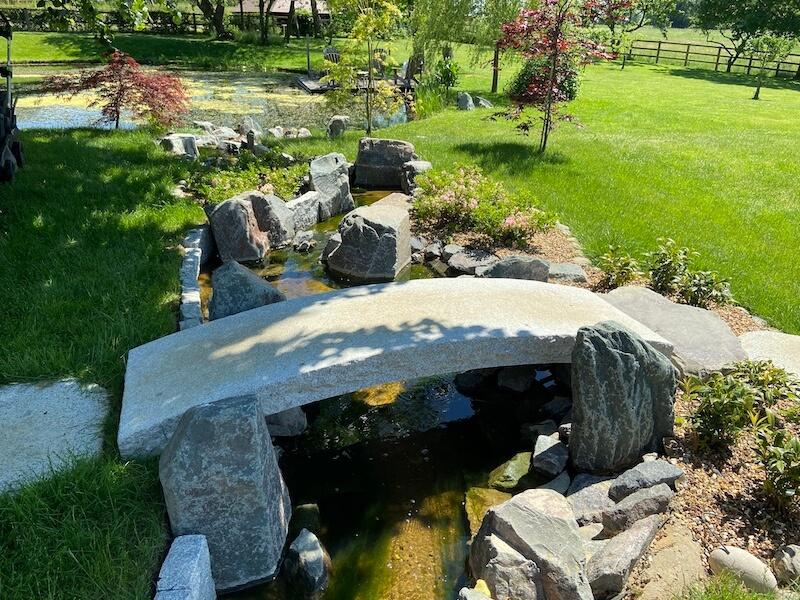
(248, 173)
(530, 69)
(703, 288)
(619, 268)
(724, 406)
(771, 384)
(465, 200)
(779, 453)
(668, 264)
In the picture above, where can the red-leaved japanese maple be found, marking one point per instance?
(550, 39)
(124, 85)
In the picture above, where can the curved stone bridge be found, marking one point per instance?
(300, 351)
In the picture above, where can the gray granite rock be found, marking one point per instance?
(289, 422)
(549, 456)
(330, 177)
(466, 593)
(703, 341)
(411, 170)
(505, 571)
(186, 572)
(517, 267)
(482, 102)
(644, 475)
(237, 289)
(743, 566)
(623, 394)
(45, 426)
(469, 260)
(225, 133)
(248, 124)
(180, 144)
(465, 101)
(236, 231)
(609, 568)
(273, 217)
(588, 496)
(433, 251)
(330, 246)
(538, 525)
(200, 238)
(449, 250)
(304, 241)
(567, 273)
(305, 210)
(337, 125)
(786, 563)
(379, 163)
(644, 503)
(221, 479)
(306, 565)
(560, 484)
(375, 244)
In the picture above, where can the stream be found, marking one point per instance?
(387, 466)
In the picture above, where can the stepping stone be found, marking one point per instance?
(781, 348)
(703, 342)
(46, 426)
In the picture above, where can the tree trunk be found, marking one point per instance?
(214, 13)
(548, 106)
(369, 88)
(262, 24)
(317, 21)
(241, 15)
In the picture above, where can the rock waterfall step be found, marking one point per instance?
(304, 350)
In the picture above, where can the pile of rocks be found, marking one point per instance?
(581, 532)
(453, 260)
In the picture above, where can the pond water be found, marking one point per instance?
(388, 466)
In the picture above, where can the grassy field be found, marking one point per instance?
(88, 267)
(656, 152)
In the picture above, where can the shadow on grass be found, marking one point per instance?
(511, 157)
(740, 79)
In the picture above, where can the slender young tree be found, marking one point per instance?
(623, 17)
(768, 49)
(550, 38)
(123, 85)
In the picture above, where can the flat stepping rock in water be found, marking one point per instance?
(781, 348)
(703, 342)
(644, 475)
(508, 476)
(46, 425)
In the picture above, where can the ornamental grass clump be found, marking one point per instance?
(464, 200)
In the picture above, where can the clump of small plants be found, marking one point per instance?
(725, 405)
(669, 271)
(235, 175)
(465, 200)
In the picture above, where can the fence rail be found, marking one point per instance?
(716, 56)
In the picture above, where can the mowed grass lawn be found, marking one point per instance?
(656, 152)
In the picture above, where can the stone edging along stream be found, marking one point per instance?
(198, 249)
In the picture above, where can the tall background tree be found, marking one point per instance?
(741, 21)
(623, 17)
(769, 49)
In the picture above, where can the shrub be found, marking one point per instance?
(619, 268)
(249, 173)
(446, 75)
(518, 88)
(668, 264)
(771, 384)
(779, 453)
(702, 288)
(465, 200)
(724, 408)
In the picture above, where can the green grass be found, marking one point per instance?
(89, 270)
(659, 152)
(724, 588)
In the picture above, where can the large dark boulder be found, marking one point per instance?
(273, 217)
(623, 394)
(237, 289)
(379, 163)
(221, 479)
(236, 231)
